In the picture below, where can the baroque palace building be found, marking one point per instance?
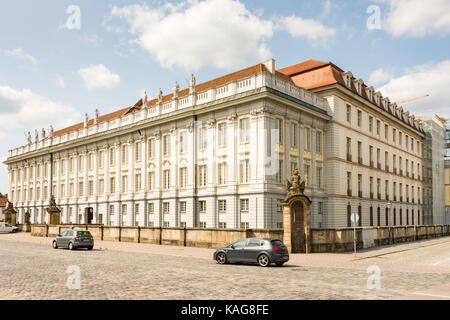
(217, 154)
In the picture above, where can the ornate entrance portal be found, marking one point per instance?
(296, 217)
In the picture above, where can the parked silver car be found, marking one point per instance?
(254, 250)
(73, 239)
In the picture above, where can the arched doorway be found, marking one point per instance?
(297, 230)
(298, 236)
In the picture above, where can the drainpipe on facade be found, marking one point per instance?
(194, 159)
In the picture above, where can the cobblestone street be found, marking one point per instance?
(36, 271)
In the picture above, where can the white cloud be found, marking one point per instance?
(19, 53)
(305, 28)
(60, 81)
(418, 18)
(380, 75)
(432, 79)
(98, 76)
(23, 109)
(190, 34)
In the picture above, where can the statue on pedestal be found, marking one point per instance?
(295, 187)
(10, 214)
(53, 212)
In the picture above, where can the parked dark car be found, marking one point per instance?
(254, 250)
(73, 239)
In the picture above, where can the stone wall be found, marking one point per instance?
(322, 240)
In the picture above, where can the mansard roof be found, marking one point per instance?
(312, 74)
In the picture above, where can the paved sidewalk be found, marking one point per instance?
(363, 259)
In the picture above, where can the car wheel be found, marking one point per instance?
(90, 248)
(70, 246)
(221, 258)
(279, 263)
(55, 245)
(263, 260)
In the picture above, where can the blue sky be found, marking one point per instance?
(52, 72)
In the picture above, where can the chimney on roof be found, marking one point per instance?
(270, 65)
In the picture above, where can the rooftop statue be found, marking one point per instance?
(159, 94)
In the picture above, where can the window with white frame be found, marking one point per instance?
(279, 206)
(71, 189)
(124, 154)
(166, 175)
(136, 208)
(319, 176)
(244, 125)
(124, 183)
(80, 188)
(222, 171)
(151, 208)
(202, 224)
(137, 182)
(294, 131)
(202, 138)
(222, 206)
(244, 225)
(307, 139)
(244, 205)
(202, 175)
(166, 207)
(137, 151)
(101, 159)
(112, 184)
(91, 161)
(166, 145)
(279, 127)
(101, 186)
(279, 174)
(202, 206)
(222, 225)
(222, 135)
(80, 164)
(151, 148)
(151, 180)
(182, 207)
(183, 177)
(319, 144)
(183, 141)
(91, 188)
(244, 171)
(111, 157)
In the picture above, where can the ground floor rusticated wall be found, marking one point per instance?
(322, 240)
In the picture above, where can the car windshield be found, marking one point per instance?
(83, 234)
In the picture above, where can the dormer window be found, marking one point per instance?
(348, 79)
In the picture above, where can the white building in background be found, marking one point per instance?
(216, 154)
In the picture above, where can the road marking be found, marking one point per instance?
(439, 262)
(431, 295)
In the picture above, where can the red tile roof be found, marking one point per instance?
(182, 93)
(311, 74)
